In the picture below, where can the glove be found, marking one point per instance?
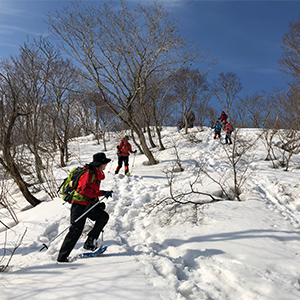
(107, 194)
(135, 151)
(102, 205)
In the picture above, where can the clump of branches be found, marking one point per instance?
(6, 259)
(50, 184)
(289, 145)
(221, 180)
(178, 200)
(5, 202)
(281, 144)
(240, 158)
(268, 136)
(192, 138)
(178, 164)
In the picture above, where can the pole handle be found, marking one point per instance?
(44, 246)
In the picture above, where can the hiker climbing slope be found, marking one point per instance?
(217, 128)
(223, 119)
(191, 120)
(124, 148)
(86, 195)
(228, 129)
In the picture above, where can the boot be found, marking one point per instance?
(90, 244)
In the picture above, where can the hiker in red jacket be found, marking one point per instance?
(124, 148)
(228, 129)
(86, 195)
(223, 119)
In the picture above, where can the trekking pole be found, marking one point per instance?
(4, 225)
(46, 246)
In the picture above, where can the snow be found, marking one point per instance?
(230, 249)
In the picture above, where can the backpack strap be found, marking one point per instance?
(93, 177)
(79, 197)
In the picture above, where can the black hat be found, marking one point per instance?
(99, 159)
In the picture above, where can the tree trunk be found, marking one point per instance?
(135, 142)
(38, 164)
(149, 135)
(103, 131)
(185, 124)
(20, 182)
(62, 154)
(65, 145)
(11, 166)
(162, 147)
(138, 130)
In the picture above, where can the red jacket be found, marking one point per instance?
(223, 118)
(228, 128)
(89, 187)
(124, 148)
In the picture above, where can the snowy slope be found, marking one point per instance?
(246, 249)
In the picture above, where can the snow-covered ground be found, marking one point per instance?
(247, 249)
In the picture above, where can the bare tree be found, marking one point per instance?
(27, 83)
(6, 259)
(191, 200)
(32, 67)
(253, 111)
(11, 94)
(212, 115)
(290, 61)
(239, 159)
(290, 118)
(203, 110)
(162, 107)
(64, 80)
(120, 50)
(188, 86)
(102, 117)
(6, 199)
(226, 88)
(289, 101)
(276, 124)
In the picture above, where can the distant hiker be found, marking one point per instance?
(123, 154)
(228, 129)
(223, 119)
(217, 129)
(191, 120)
(179, 125)
(86, 195)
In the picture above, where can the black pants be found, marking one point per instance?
(228, 138)
(97, 214)
(217, 134)
(122, 159)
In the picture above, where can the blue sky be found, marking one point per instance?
(244, 36)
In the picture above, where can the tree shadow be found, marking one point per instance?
(246, 234)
